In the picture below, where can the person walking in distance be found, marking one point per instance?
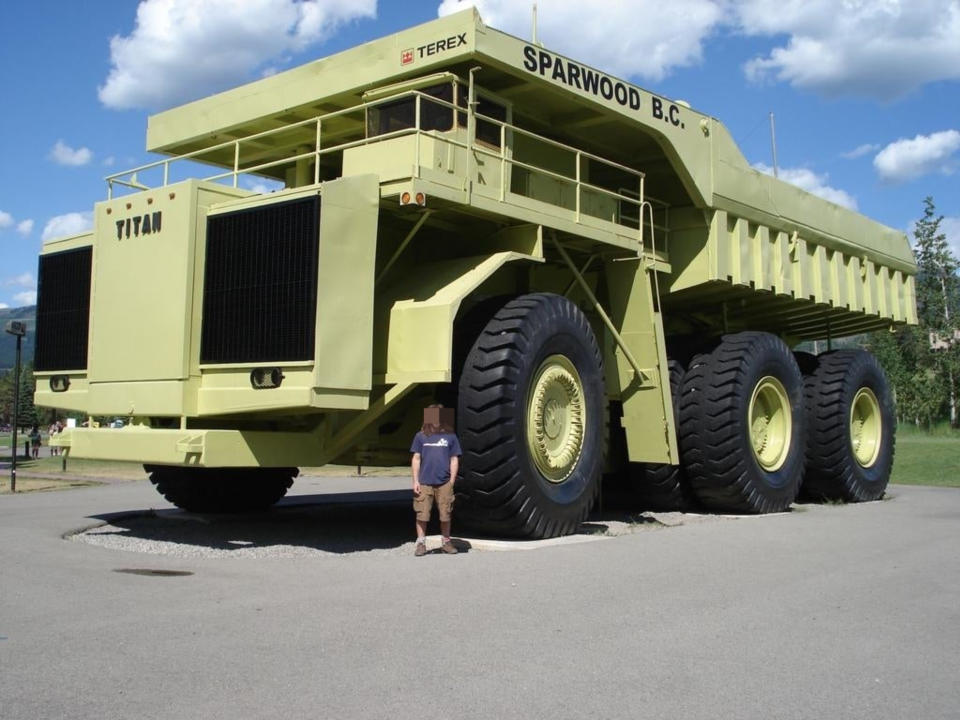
(434, 466)
(35, 442)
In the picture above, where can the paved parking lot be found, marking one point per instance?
(828, 611)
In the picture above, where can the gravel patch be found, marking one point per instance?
(301, 529)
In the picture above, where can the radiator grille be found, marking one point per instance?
(260, 284)
(63, 310)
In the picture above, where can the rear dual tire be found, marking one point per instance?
(851, 428)
(742, 425)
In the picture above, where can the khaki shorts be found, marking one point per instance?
(423, 503)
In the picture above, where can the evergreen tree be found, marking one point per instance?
(28, 411)
(937, 282)
(6, 396)
(938, 289)
(923, 363)
(887, 347)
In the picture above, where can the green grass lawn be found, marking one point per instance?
(92, 468)
(927, 459)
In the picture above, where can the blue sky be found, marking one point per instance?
(866, 93)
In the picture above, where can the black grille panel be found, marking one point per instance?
(63, 310)
(260, 284)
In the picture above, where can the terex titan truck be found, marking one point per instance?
(591, 274)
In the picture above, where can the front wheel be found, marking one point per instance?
(531, 413)
(221, 490)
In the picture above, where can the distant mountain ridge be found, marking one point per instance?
(8, 343)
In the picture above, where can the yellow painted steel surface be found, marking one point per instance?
(771, 424)
(866, 427)
(143, 295)
(556, 418)
(210, 448)
(647, 417)
(420, 339)
(756, 268)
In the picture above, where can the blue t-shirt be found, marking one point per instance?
(435, 453)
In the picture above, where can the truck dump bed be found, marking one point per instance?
(810, 268)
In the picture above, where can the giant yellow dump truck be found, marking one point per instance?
(591, 274)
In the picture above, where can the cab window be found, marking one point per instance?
(487, 131)
(401, 114)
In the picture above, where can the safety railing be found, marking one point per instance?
(628, 202)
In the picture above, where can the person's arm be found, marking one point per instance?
(415, 471)
(455, 452)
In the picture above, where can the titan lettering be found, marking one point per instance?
(139, 225)
(579, 77)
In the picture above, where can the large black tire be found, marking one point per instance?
(850, 426)
(742, 425)
(221, 490)
(807, 362)
(660, 486)
(517, 369)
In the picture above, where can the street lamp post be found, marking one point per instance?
(19, 329)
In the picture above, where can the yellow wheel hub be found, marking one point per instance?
(556, 418)
(771, 423)
(866, 427)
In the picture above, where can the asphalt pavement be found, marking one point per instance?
(829, 611)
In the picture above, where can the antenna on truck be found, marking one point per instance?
(773, 144)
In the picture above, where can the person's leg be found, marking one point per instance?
(422, 505)
(445, 507)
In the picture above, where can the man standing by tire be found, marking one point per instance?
(434, 466)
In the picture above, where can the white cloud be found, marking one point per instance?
(6, 219)
(27, 297)
(869, 48)
(68, 224)
(63, 154)
(182, 49)
(860, 151)
(262, 185)
(951, 228)
(21, 280)
(815, 184)
(25, 227)
(907, 159)
(3, 306)
(109, 161)
(647, 38)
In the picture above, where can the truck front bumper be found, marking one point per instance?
(202, 448)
